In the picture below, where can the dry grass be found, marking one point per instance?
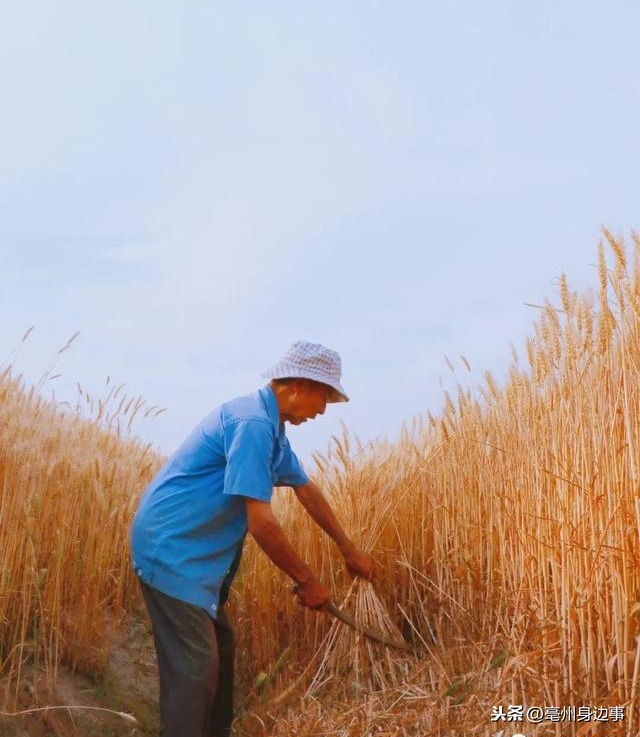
(507, 528)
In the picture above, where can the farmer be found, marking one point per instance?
(188, 532)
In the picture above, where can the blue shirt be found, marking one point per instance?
(188, 531)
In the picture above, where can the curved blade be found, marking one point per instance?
(367, 631)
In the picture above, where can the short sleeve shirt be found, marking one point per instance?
(189, 529)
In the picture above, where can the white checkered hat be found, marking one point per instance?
(311, 361)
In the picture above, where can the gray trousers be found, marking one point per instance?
(195, 663)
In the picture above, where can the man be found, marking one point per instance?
(188, 533)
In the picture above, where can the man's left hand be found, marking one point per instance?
(361, 564)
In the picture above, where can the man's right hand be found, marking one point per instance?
(266, 531)
(313, 594)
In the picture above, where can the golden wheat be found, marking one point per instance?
(507, 528)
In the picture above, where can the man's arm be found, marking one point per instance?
(267, 532)
(312, 499)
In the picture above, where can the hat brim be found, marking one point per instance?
(338, 394)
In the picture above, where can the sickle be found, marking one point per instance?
(366, 631)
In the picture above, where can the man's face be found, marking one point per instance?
(306, 400)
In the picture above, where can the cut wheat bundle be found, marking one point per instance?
(353, 662)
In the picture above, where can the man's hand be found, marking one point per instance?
(313, 594)
(358, 562)
(361, 564)
(269, 535)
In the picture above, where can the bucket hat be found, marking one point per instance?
(311, 361)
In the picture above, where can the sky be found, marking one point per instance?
(194, 186)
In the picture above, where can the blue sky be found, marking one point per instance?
(195, 186)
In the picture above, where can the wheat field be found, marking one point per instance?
(507, 530)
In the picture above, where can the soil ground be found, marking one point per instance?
(130, 686)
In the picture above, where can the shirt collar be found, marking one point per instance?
(271, 403)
